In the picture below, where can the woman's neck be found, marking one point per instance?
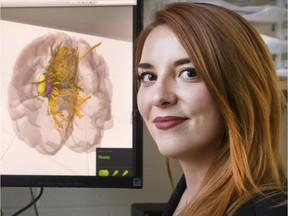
(195, 169)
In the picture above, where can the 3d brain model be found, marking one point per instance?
(60, 94)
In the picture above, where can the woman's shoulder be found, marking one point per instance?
(265, 206)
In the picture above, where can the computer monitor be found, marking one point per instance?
(68, 112)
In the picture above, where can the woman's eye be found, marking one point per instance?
(188, 73)
(146, 77)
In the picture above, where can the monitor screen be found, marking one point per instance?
(68, 111)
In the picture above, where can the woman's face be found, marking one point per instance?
(174, 102)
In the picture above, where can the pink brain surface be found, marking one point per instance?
(60, 94)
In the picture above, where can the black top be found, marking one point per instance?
(257, 206)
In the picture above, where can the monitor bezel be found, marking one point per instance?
(134, 182)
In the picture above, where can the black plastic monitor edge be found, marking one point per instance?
(71, 181)
(134, 182)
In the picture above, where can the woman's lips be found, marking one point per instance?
(167, 122)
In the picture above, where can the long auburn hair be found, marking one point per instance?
(238, 70)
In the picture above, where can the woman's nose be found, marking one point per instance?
(163, 94)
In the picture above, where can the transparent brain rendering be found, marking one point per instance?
(60, 94)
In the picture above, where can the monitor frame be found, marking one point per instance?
(135, 181)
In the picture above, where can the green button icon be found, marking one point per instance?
(125, 172)
(103, 172)
(115, 172)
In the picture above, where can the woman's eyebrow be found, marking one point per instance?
(182, 61)
(145, 66)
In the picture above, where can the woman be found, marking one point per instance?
(209, 96)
